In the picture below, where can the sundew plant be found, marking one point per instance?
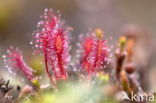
(95, 77)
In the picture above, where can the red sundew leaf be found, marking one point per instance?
(94, 53)
(86, 48)
(100, 54)
(52, 39)
(14, 62)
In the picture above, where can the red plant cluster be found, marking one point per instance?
(53, 40)
(14, 62)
